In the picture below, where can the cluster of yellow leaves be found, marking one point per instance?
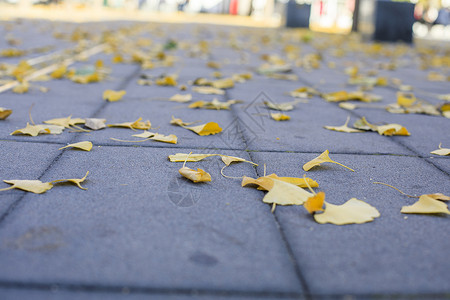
(39, 187)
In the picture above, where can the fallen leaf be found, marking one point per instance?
(224, 83)
(280, 117)
(304, 92)
(32, 130)
(167, 81)
(388, 129)
(138, 124)
(21, 88)
(95, 124)
(347, 96)
(179, 157)
(441, 151)
(4, 113)
(65, 122)
(208, 90)
(343, 128)
(315, 203)
(181, 98)
(426, 205)
(405, 99)
(281, 106)
(213, 65)
(171, 139)
(112, 96)
(34, 186)
(203, 129)
(439, 196)
(59, 72)
(214, 104)
(353, 211)
(54, 129)
(280, 192)
(195, 176)
(86, 146)
(75, 181)
(322, 158)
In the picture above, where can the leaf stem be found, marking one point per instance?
(343, 166)
(396, 189)
(7, 189)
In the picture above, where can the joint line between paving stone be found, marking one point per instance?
(91, 288)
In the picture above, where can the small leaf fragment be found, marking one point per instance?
(112, 96)
(86, 146)
(34, 186)
(4, 113)
(214, 104)
(195, 176)
(315, 203)
(353, 211)
(322, 158)
(209, 128)
(208, 90)
(171, 139)
(21, 88)
(181, 98)
(224, 83)
(95, 124)
(426, 205)
(281, 106)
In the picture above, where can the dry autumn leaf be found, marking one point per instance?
(353, 211)
(322, 158)
(208, 90)
(95, 124)
(281, 106)
(214, 104)
(225, 83)
(171, 139)
(4, 113)
(198, 175)
(280, 117)
(280, 192)
(315, 203)
(441, 151)
(181, 98)
(388, 129)
(112, 96)
(348, 96)
(59, 72)
(34, 186)
(304, 92)
(32, 130)
(203, 129)
(86, 146)
(426, 205)
(343, 128)
(65, 122)
(167, 81)
(21, 88)
(75, 181)
(138, 124)
(179, 157)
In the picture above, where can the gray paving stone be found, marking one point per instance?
(134, 228)
(394, 254)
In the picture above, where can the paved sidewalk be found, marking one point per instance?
(142, 231)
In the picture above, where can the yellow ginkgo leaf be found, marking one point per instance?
(441, 151)
(86, 146)
(439, 196)
(280, 192)
(353, 211)
(304, 92)
(322, 158)
(224, 83)
(179, 157)
(138, 124)
(426, 205)
(405, 99)
(95, 124)
(347, 96)
(231, 159)
(209, 128)
(112, 96)
(75, 181)
(280, 117)
(208, 90)
(392, 129)
(343, 128)
(179, 122)
(59, 72)
(32, 130)
(195, 176)
(281, 106)
(54, 129)
(34, 186)
(21, 88)
(171, 139)
(303, 182)
(167, 81)
(315, 203)
(4, 113)
(65, 122)
(181, 98)
(214, 104)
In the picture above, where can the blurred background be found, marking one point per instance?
(429, 19)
